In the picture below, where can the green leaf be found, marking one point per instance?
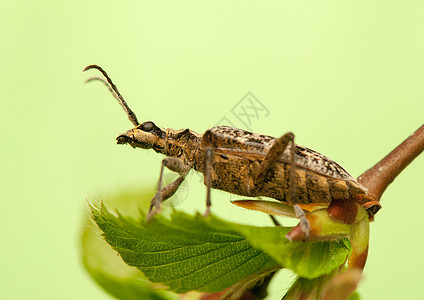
(335, 285)
(304, 288)
(208, 254)
(183, 253)
(354, 296)
(306, 259)
(108, 269)
(111, 273)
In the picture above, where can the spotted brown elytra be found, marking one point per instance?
(252, 165)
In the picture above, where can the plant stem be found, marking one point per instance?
(378, 178)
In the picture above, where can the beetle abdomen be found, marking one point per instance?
(312, 189)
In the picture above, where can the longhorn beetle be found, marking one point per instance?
(246, 164)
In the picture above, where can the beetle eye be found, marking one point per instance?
(147, 126)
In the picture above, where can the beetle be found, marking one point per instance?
(246, 164)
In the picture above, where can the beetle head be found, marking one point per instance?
(146, 135)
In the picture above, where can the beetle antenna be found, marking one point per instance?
(131, 115)
(107, 85)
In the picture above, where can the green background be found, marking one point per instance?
(345, 76)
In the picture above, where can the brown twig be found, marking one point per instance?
(378, 178)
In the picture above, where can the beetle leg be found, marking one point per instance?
(274, 220)
(274, 155)
(208, 160)
(173, 164)
(304, 223)
(270, 160)
(164, 194)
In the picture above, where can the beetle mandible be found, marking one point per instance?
(246, 164)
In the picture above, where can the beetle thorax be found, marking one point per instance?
(182, 144)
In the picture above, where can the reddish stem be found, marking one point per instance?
(378, 178)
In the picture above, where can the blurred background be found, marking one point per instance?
(345, 76)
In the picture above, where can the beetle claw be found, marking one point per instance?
(155, 206)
